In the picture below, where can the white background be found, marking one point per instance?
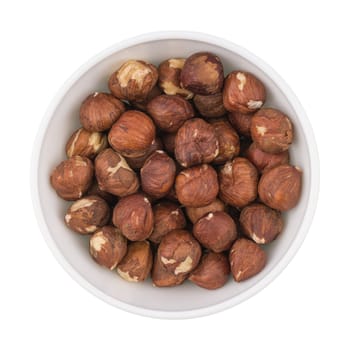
(44, 42)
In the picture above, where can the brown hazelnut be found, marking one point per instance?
(202, 74)
(169, 142)
(280, 187)
(179, 252)
(271, 130)
(263, 160)
(197, 186)
(87, 214)
(108, 246)
(99, 111)
(169, 112)
(167, 217)
(212, 272)
(238, 182)
(215, 231)
(261, 223)
(72, 177)
(86, 143)
(196, 143)
(243, 92)
(210, 106)
(95, 190)
(194, 214)
(158, 174)
(246, 259)
(171, 195)
(142, 105)
(228, 141)
(137, 263)
(169, 78)
(133, 81)
(134, 217)
(241, 122)
(133, 134)
(114, 175)
(137, 163)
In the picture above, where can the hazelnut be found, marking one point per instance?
(241, 122)
(196, 143)
(114, 175)
(167, 217)
(137, 163)
(210, 106)
(134, 217)
(194, 214)
(133, 134)
(169, 112)
(202, 74)
(179, 252)
(86, 143)
(271, 130)
(238, 182)
(197, 186)
(171, 195)
(212, 272)
(280, 187)
(246, 259)
(261, 223)
(142, 105)
(108, 246)
(228, 141)
(99, 111)
(169, 78)
(133, 81)
(243, 92)
(169, 142)
(87, 214)
(95, 190)
(72, 177)
(137, 263)
(263, 160)
(215, 231)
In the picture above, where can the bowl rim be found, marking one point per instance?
(314, 173)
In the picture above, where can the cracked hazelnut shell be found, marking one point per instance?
(210, 106)
(240, 122)
(194, 214)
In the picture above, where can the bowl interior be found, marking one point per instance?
(74, 248)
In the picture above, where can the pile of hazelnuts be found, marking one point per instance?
(179, 173)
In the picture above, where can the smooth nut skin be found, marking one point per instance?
(168, 216)
(114, 175)
(263, 160)
(137, 263)
(246, 259)
(280, 187)
(179, 252)
(134, 217)
(72, 177)
(87, 214)
(243, 92)
(241, 122)
(108, 246)
(86, 143)
(271, 130)
(229, 145)
(196, 143)
(158, 174)
(261, 223)
(197, 186)
(169, 112)
(202, 74)
(216, 231)
(194, 214)
(142, 105)
(169, 78)
(133, 81)
(133, 134)
(238, 181)
(212, 272)
(169, 142)
(210, 106)
(99, 111)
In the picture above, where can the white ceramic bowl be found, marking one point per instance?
(71, 249)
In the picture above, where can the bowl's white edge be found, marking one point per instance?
(314, 169)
